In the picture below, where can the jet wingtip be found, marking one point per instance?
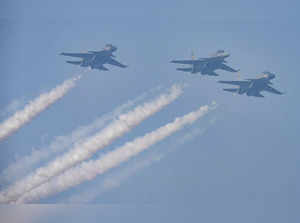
(123, 65)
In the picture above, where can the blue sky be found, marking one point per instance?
(243, 169)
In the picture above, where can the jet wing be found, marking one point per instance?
(235, 82)
(116, 63)
(185, 69)
(100, 67)
(81, 55)
(185, 61)
(101, 52)
(227, 68)
(259, 95)
(272, 90)
(234, 90)
(212, 73)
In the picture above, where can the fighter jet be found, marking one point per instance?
(253, 87)
(208, 65)
(96, 59)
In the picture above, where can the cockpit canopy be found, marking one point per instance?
(268, 75)
(220, 53)
(110, 47)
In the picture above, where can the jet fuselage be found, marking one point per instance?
(208, 65)
(253, 87)
(96, 59)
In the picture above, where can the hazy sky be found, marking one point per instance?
(243, 168)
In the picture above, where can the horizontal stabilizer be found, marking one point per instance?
(80, 55)
(74, 62)
(185, 69)
(185, 61)
(241, 83)
(212, 74)
(231, 89)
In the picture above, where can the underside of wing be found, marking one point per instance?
(185, 61)
(272, 90)
(234, 82)
(116, 63)
(231, 89)
(81, 55)
(75, 62)
(212, 73)
(185, 69)
(227, 68)
(101, 67)
(258, 94)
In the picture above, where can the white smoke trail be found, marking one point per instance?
(115, 180)
(12, 107)
(112, 181)
(86, 149)
(23, 165)
(34, 108)
(90, 169)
